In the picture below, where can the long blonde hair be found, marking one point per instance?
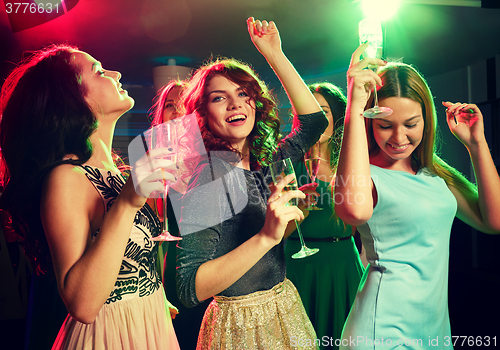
(403, 80)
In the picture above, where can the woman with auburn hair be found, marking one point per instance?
(186, 320)
(165, 107)
(264, 135)
(76, 212)
(232, 223)
(404, 200)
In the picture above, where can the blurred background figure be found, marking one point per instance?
(327, 282)
(165, 107)
(186, 321)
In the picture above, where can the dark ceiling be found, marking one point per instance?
(318, 36)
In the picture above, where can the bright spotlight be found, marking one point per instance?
(380, 9)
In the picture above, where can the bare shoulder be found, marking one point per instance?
(67, 185)
(65, 173)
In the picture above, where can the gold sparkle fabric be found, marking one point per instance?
(271, 319)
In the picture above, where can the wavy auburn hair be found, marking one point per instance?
(264, 136)
(156, 112)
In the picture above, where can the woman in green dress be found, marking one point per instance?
(327, 281)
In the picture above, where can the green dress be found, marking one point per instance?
(327, 281)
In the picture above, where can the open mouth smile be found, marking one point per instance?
(399, 147)
(236, 118)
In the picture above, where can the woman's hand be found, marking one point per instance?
(278, 213)
(465, 122)
(265, 36)
(149, 174)
(311, 197)
(360, 80)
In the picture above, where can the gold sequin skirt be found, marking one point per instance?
(271, 319)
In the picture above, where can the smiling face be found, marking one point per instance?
(230, 112)
(170, 110)
(105, 95)
(399, 134)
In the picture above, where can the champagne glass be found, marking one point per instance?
(371, 30)
(164, 136)
(280, 170)
(312, 159)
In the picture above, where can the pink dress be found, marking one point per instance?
(136, 315)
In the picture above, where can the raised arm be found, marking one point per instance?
(481, 210)
(353, 172)
(266, 39)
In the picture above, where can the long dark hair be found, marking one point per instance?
(337, 102)
(44, 117)
(264, 135)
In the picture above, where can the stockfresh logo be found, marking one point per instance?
(222, 190)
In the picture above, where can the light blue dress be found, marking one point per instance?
(403, 295)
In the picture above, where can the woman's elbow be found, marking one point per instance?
(491, 229)
(353, 215)
(80, 310)
(82, 313)
(201, 296)
(187, 297)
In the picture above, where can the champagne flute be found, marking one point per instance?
(312, 159)
(164, 136)
(279, 170)
(371, 30)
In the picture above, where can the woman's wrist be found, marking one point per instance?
(275, 58)
(477, 146)
(266, 240)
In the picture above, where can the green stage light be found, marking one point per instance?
(380, 9)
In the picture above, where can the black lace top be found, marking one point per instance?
(138, 276)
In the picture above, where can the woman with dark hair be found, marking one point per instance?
(76, 213)
(327, 282)
(403, 199)
(232, 223)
